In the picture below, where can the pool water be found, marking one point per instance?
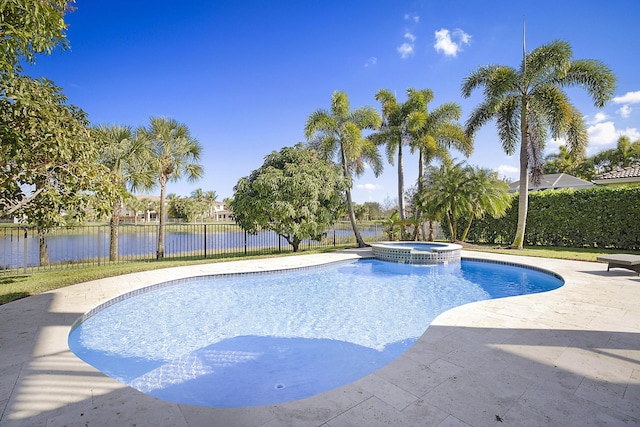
(264, 339)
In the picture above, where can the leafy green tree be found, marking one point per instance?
(294, 193)
(126, 157)
(374, 210)
(29, 28)
(528, 102)
(48, 160)
(174, 154)
(186, 208)
(338, 132)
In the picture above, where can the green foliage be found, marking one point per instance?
(602, 217)
(47, 158)
(294, 193)
(30, 27)
(458, 194)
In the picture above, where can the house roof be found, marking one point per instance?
(629, 174)
(554, 181)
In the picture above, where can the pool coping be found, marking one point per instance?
(568, 354)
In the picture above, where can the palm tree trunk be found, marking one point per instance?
(401, 209)
(466, 229)
(523, 200)
(163, 191)
(351, 212)
(113, 240)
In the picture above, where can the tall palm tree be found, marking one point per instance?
(528, 102)
(175, 153)
(338, 132)
(127, 158)
(394, 132)
(437, 132)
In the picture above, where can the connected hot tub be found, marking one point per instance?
(417, 252)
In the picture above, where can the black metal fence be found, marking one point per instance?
(25, 249)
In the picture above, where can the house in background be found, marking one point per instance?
(553, 181)
(221, 213)
(624, 176)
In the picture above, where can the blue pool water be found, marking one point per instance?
(270, 338)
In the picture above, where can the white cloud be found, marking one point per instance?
(599, 118)
(368, 187)
(510, 172)
(628, 98)
(405, 50)
(409, 36)
(450, 43)
(625, 111)
(371, 62)
(603, 133)
(410, 17)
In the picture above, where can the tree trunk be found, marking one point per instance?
(430, 238)
(351, 212)
(401, 209)
(43, 250)
(115, 222)
(466, 229)
(163, 191)
(401, 204)
(523, 201)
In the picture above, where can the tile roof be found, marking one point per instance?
(628, 172)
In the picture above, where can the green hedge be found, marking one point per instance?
(604, 217)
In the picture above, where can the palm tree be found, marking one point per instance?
(528, 102)
(488, 195)
(126, 157)
(338, 132)
(445, 194)
(210, 197)
(394, 132)
(174, 153)
(625, 154)
(435, 133)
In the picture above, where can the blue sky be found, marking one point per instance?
(245, 75)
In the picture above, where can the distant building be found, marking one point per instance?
(553, 181)
(624, 176)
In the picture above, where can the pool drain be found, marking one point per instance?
(279, 386)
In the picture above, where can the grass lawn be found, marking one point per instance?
(21, 286)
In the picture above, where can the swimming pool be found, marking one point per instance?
(261, 339)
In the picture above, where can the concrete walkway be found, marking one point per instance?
(569, 357)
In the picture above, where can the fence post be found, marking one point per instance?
(334, 235)
(245, 242)
(99, 244)
(26, 251)
(205, 241)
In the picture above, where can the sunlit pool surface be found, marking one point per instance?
(263, 339)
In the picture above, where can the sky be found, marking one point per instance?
(244, 75)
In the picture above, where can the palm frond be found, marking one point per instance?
(593, 76)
